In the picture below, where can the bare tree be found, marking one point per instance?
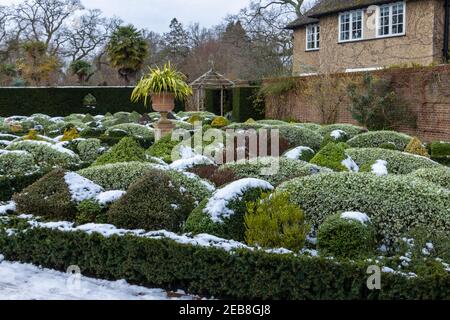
(293, 6)
(4, 19)
(44, 20)
(88, 34)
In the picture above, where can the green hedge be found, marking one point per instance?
(245, 274)
(243, 108)
(67, 100)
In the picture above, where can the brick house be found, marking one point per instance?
(349, 35)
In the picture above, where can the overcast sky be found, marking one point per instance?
(155, 15)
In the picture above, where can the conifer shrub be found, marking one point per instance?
(440, 151)
(127, 150)
(415, 146)
(332, 156)
(274, 222)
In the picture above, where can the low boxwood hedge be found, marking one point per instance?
(240, 274)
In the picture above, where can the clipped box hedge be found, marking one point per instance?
(241, 274)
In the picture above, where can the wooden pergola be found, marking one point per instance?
(210, 80)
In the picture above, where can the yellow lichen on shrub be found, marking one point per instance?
(415, 146)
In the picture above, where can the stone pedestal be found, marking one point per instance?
(163, 127)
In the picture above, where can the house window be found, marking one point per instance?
(391, 21)
(313, 37)
(351, 26)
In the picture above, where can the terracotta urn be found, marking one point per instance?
(163, 103)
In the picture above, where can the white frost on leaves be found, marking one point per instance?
(357, 216)
(17, 152)
(184, 164)
(8, 207)
(217, 206)
(380, 168)
(337, 134)
(28, 282)
(296, 153)
(5, 142)
(350, 164)
(81, 188)
(108, 197)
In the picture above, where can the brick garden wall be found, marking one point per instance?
(426, 90)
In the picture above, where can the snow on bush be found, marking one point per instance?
(81, 188)
(109, 197)
(357, 216)
(375, 139)
(395, 204)
(397, 162)
(17, 163)
(133, 129)
(300, 153)
(46, 153)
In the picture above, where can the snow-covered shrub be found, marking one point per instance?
(95, 209)
(8, 137)
(126, 150)
(199, 189)
(439, 175)
(90, 149)
(47, 154)
(204, 115)
(334, 156)
(415, 146)
(223, 214)
(440, 151)
(375, 139)
(300, 153)
(56, 195)
(349, 130)
(271, 122)
(134, 130)
(347, 235)
(273, 222)
(182, 125)
(397, 162)
(298, 136)
(266, 169)
(155, 202)
(335, 136)
(117, 176)
(163, 148)
(16, 163)
(395, 204)
(378, 167)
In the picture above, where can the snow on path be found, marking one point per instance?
(28, 282)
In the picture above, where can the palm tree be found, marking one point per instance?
(82, 69)
(127, 51)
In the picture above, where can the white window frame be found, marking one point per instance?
(390, 6)
(313, 29)
(351, 39)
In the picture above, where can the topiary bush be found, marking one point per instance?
(273, 170)
(222, 215)
(16, 183)
(47, 154)
(273, 222)
(395, 204)
(300, 153)
(397, 162)
(438, 175)
(127, 150)
(348, 235)
(350, 130)
(117, 176)
(375, 139)
(334, 156)
(163, 148)
(415, 146)
(154, 202)
(48, 197)
(90, 211)
(335, 136)
(299, 136)
(134, 130)
(90, 149)
(440, 151)
(17, 163)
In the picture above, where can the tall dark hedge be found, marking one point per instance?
(243, 108)
(63, 101)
